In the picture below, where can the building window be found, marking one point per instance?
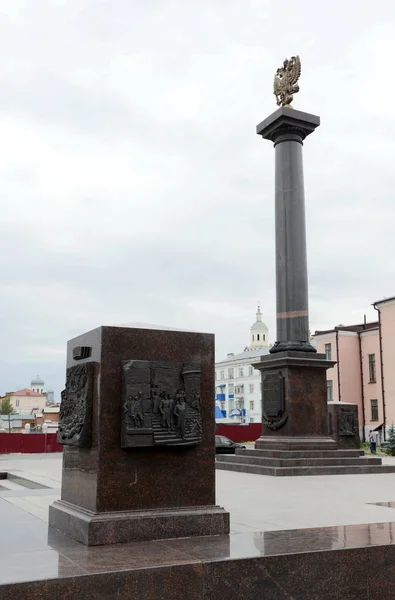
(257, 336)
(230, 373)
(328, 351)
(329, 390)
(251, 371)
(374, 405)
(241, 374)
(231, 389)
(252, 405)
(263, 337)
(222, 374)
(239, 389)
(372, 368)
(17, 403)
(253, 337)
(251, 388)
(251, 419)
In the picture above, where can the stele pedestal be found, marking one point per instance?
(137, 424)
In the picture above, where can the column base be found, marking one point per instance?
(96, 529)
(295, 443)
(292, 347)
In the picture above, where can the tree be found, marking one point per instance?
(6, 407)
(390, 449)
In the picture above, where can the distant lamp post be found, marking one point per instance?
(44, 429)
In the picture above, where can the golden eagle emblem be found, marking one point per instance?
(286, 81)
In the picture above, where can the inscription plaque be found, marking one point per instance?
(160, 404)
(273, 400)
(273, 394)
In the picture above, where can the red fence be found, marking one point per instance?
(33, 443)
(240, 433)
(28, 443)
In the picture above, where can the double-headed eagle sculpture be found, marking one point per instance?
(286, 81)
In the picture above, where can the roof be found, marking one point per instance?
(383, 300)
(355, 328)
(259, 325)
(25, 392)
(248, 354)
(37, 381)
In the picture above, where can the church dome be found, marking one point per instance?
(37, 381)
(259, 325)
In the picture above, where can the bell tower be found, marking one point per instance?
(259, 332)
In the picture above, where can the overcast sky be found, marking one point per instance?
(134, 187)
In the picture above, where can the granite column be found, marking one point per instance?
(287, 128)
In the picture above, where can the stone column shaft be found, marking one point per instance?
(291, 258)
(287, 128)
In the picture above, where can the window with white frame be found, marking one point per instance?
(241, 372)
(328, 351)
(251, 388)
(329, 390)
(372, 368)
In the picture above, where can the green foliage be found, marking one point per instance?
(6, 407)
(390, 449)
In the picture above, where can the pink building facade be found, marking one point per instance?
(364, 373)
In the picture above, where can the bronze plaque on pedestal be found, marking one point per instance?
(273, 394)
(161, 404)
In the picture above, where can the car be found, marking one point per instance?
(224, 445)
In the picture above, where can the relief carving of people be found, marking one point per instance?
(134, 411)
(166, 410)
(155, 397)
(180, 413)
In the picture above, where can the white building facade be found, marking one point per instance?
(238, 383)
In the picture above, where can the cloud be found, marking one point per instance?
(133, 185)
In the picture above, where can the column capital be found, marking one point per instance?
(287, 121)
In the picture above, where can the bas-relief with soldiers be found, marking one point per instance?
(161, 404)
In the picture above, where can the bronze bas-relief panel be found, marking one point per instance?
(75, 415)
(273, 400)
(160, 404)
(348, 422)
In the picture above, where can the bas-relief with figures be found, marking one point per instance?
(161, 404)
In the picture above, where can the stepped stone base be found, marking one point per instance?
(96, 529)
(282, 463)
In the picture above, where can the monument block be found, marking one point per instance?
(137, 424)
(343, 424)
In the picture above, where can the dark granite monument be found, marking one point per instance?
(295, 438)
(137, 424)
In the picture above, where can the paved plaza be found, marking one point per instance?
(255, 502)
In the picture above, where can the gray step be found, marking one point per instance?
(300, 453)
(298, 462)
(303, 471)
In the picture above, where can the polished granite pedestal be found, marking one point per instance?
(126, 476)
